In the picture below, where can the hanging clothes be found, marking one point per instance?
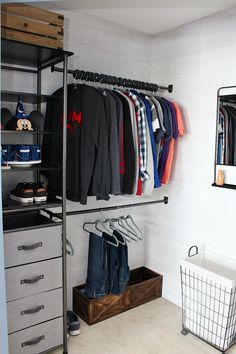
(118, 141)
(120, 127)
(226, 135)
(136, 185)
(129, 150)
(149, 121)
(179, 130)
(108, 270)
(87, 141)
(97, 267)
(113, 177)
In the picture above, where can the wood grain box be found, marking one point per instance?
(144, 286)
(29, 24)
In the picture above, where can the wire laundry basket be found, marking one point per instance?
(208, 284)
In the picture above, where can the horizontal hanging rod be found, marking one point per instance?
(113, 80)
(115, 207)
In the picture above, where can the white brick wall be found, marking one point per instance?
(197, 58)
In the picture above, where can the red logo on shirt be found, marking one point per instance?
(73, 120)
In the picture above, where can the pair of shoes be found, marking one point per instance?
(29, 193)
(73, 323)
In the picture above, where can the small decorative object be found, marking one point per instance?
(23, 123)
(220, 178)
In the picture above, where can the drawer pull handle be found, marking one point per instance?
(33, 280)
(33, 310)
(30, 247)
(33, 341)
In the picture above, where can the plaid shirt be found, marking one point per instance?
(142, 130)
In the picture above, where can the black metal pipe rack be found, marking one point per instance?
(114, 80)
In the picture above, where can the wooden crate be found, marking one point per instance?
(145, 285)
(28, 24)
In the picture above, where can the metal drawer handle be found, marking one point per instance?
(30, 247)
(33, 280)
(33, 310)
(33, 341)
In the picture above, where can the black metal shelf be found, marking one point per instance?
(30, 55)
(32, 168)
(15, 207)
(225, 164)
(26, 132)
(34, 98)
(227, 186)
(32, 59)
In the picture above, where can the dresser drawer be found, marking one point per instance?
(33, 245)
(33, 278)
(37, 339)
(34, 309)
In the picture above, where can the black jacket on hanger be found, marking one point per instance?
(129, 152)
(232, 134)
(87, 144)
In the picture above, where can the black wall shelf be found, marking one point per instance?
(26, 132)
(29, 55)
(14, 207)
(32, 168)
(227, 186)
(27, 97)
(224, 164)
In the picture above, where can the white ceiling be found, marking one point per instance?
(149, 16)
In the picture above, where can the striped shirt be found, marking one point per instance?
(142, 130)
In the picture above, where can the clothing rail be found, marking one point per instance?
(115, 207)
(114, 80)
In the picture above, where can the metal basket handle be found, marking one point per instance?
(190, 249)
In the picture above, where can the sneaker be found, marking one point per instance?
(74, 323)
(40, 193)
(23, 193)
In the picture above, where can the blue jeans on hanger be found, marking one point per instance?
(113, 264)
(118, 269)
(124, 271)
(97, 267)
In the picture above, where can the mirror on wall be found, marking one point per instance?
(225, 150)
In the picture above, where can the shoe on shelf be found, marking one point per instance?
(73, 323)
(40, 193)
(23, 193)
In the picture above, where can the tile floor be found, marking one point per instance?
(153, 328)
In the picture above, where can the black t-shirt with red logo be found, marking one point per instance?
(87, 144)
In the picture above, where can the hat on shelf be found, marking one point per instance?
(20, 111)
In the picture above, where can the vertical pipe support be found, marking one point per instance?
(64, 254)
